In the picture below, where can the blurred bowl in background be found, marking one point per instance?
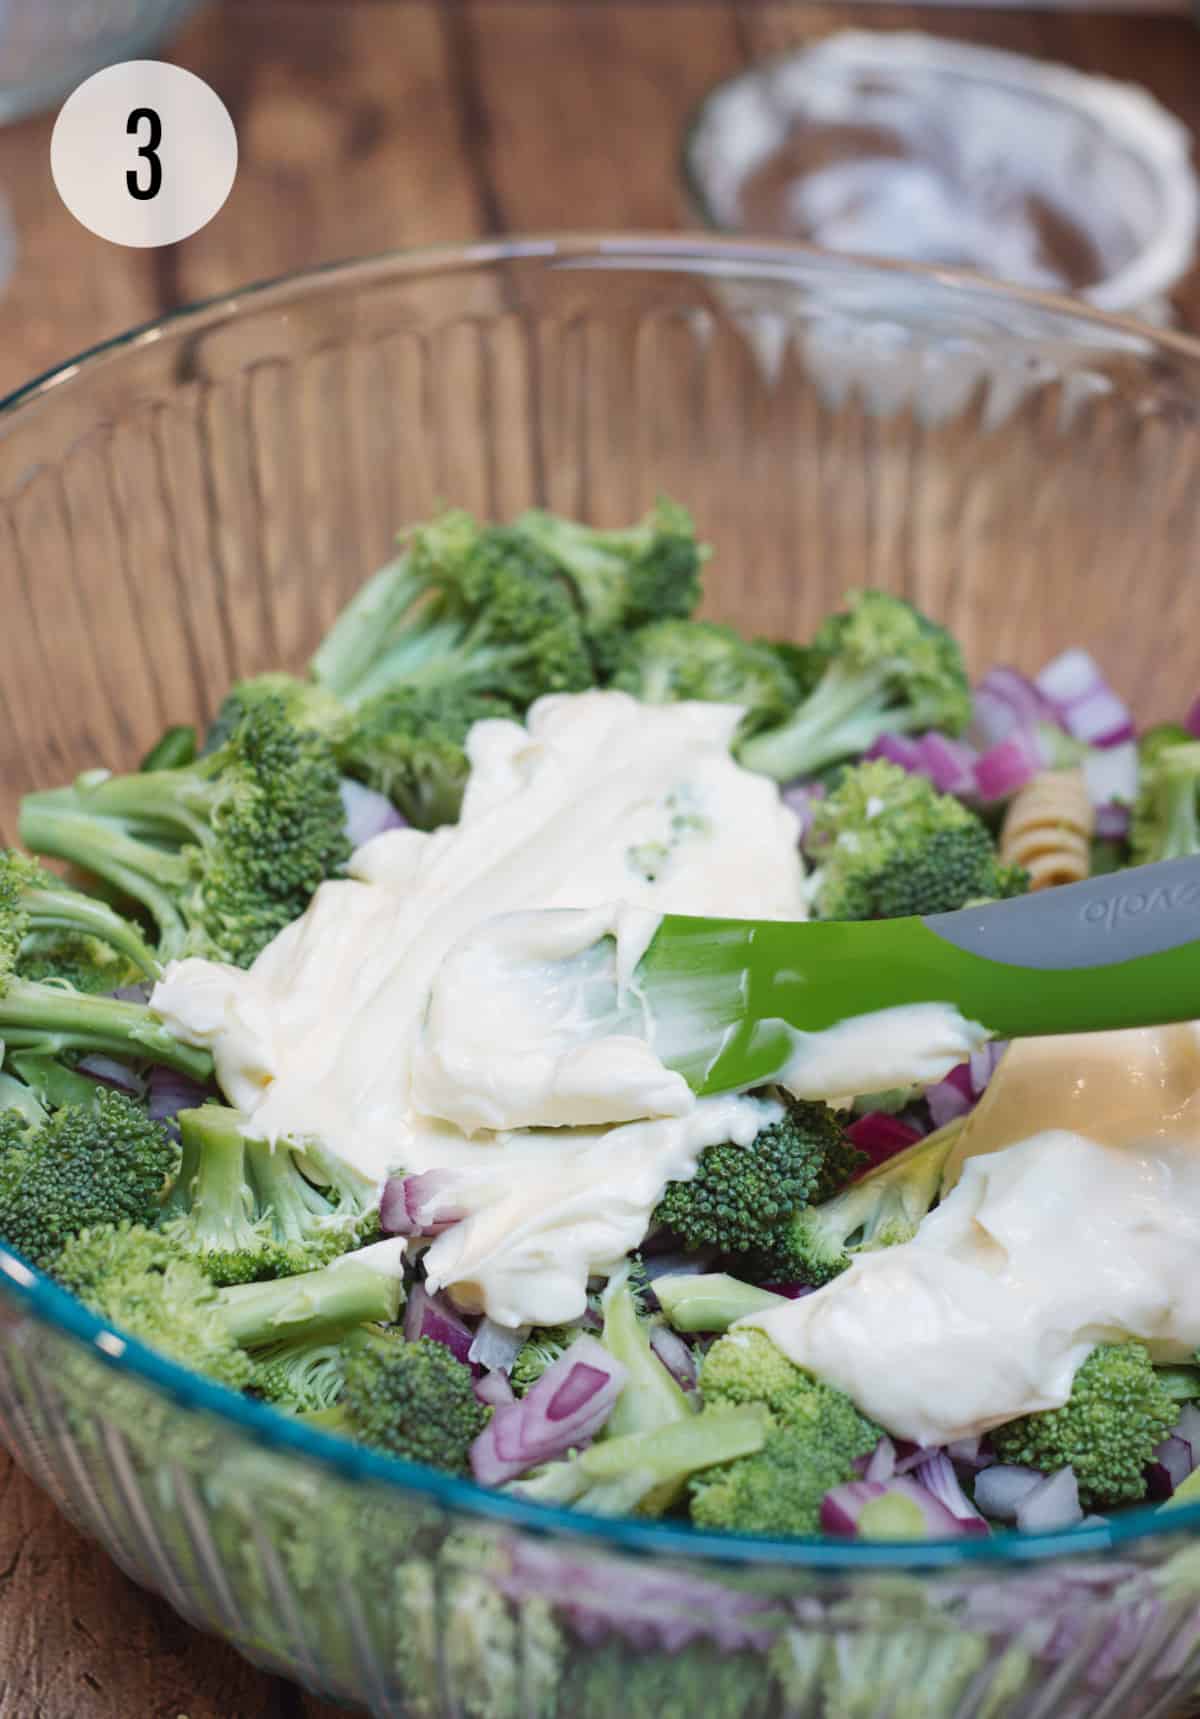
(906, 146)
(47, 47)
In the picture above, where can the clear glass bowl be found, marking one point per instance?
(193, 502)
(47, 47)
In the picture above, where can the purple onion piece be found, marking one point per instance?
(1006, 767)
(791, 1291)
(881, 1136)
(1111, 775)
(1112, 822)
(1068, 678)
(881, 1464)
(1000, 1489)
(676, 1264)
(950, 764)
(1192, 720)
(898, 749)
(1053, 1503)
(1018, 694)
(970, 1453)
(132, 993)
(368, 813)
(842, 1507)
(108, 1072)
(431, 1316)
(910, 1456)
(169, 1092)
(800, 797)
(948, 1100)
(982, 1065)
(496, 1347)
(562, 1411)
(936, 1474)
(417, 1205)
(675, 1356)
(494, 1389)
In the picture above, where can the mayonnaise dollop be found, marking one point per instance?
(1043, 1249)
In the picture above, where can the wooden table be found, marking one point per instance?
(367, 124)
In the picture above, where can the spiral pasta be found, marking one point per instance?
(1048, 829)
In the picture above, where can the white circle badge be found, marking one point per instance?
(144, 153)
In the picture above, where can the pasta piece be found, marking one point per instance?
(1048, 829)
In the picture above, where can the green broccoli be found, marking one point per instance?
(699, 1682)
(815, 1434)
(409, 743)
(882, 1209)
(43, 921)
(540, 1350)
(670, 661)
(888, 669)
(887, 844)
(411, 1400)
(711, 1300)
(174, 747)
(304, 1375)
(104, 1162)
(1106, 1432)
(1166, 814)
(478, 609)
(624, 579)
(651, 1396)
(139, 1281)
(247, 1210)
(307, 706)
(742, 1198)
(50, 1020)
(221, 854)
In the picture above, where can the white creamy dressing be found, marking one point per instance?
(597, 801)
(1086, 1232)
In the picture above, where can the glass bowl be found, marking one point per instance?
(47, 47)
(193, 502)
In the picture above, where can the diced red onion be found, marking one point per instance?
(368, 813)
(416, 1205)
(881, 1136)
(675, 1356)
(842, 1507)
(1188, 1426)
(951, 1098)
(936, 1474)
(909, 1455)
(1017, 693)
(109, 1072)
(168, 1092)
(1111, 776)
(897, 749)
(950, 764)
(1112, 823)
(432, 1316)
(562, 1411)
(1068, 678)
(970, 1453)
(1100, 719)
(790, 1291)
(800, 797)
(1000, 1489)
(881, 1464)
(496, 1347)
(982, 1065)
(1192, 720)
(132, 993)
(1008, 765)
(494, 1389)
(675, 1265)
(1053, 1503)
(1171, 1466)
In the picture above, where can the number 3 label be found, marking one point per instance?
(144, 153)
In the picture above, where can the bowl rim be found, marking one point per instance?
(51, 1306)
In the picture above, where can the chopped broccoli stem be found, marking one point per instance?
(54, 1021)
(651, 1397)
(1166, 816)
(174, 748)
(711, 1301)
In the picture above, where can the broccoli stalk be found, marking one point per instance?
(245, 1209)
(104, 1162)
(35, 905)
(741, 1199)
(467, 607)
(55, 1021)
(888, 669)
(711, 1301)
(814, 1437)
(624, 579)
(670, 661)
(223, 853)
(882, 1209)
(1166, 816)
(888, 845)
(1118, 1411)
(651, 1397)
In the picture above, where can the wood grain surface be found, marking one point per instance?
(367, 124)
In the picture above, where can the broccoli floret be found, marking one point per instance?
(475, 608)
(410, 744)
(139, 1281)
(540, 1350)
(1166, 814)
(175, 747)
(888, 669)
(248, 1210)
(814, 1437)
(624, 579)
(671, 661)
(700, 1682)
(101, 1163)
(644, 1472)
(412, 1400)
(882, 1209)
(303, 1376)
(221, 854)
(887, 844)
(1117, 1413)
(307, 706)
(41, 916)
(742, 1198)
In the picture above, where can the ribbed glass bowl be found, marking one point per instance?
(194, 502)
(47, 47)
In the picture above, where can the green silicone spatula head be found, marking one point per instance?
(726, 999)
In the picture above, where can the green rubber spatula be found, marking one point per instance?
(727, 997)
